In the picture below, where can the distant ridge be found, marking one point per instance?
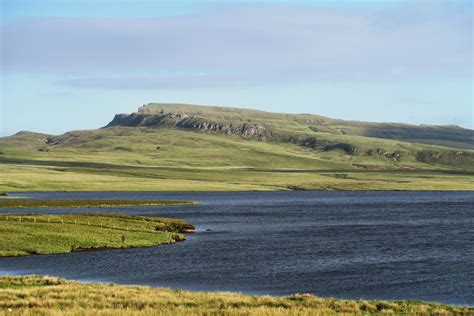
(169, 147)
(265, 125)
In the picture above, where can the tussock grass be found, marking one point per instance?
(35, 295)
(25, 234)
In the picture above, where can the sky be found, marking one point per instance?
(73, 64)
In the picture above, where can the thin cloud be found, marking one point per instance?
(248, 45)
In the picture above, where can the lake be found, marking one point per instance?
(364, 244)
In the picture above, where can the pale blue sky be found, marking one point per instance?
(73, 64)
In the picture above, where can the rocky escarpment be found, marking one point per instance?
(272, 128)
(349, 149)
(185, 121)
(458, 158)
(248, 130)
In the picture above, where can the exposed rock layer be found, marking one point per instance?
(184, 121)
(147, 118)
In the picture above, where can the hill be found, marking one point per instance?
(190, 147)
(281, 126)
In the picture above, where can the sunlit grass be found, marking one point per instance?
(25, 234)
(34, 295)
(43, 178)
(176, 160)
(86, 203)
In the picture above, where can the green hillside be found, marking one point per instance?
(185, 147)
(447, 135)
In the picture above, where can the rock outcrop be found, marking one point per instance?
(255, 125)
(185, 121)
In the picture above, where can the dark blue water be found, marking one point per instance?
(373, 245)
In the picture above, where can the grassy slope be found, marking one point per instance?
(24, 234)
(445, 135)
(162, 159)
(202, 161)
(32, 295)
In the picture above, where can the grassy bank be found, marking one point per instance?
(22, 203)
(33, 295)
(25, 234)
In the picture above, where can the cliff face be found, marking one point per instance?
(144, 118)
(310, 131)
(185, 121)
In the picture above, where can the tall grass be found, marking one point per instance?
(34, 295)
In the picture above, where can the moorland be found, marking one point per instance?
(180, 147)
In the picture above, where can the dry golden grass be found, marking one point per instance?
(33, 295)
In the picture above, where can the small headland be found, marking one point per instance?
(27, 234)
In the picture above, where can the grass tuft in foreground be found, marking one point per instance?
(35, 295)
(27, 203)
(25, 234)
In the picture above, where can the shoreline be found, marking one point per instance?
(175, 240)
(10, 196)
(135, 247)
(238, 292)
(36, 234)
(18, 292)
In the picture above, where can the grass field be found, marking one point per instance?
(31, 178)
(25, 234)
(34, 295)
(196, 161)
(337, 155)
(22, 203)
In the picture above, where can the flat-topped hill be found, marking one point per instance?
(267, 125)
(190, 147)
